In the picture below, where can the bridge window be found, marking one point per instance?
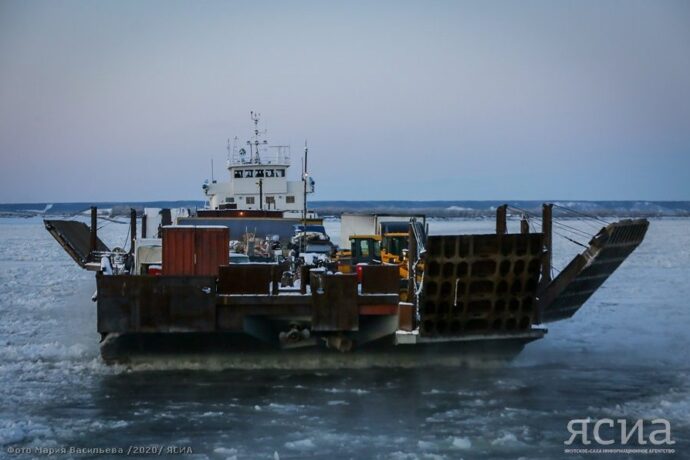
(250, 200)
(259, 173)
(249, 173)
(280, 173)
(270, 173)
(290, 199)
(238, 174)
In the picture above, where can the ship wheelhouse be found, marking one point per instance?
(258, 179)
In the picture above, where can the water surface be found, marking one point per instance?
(625, 355)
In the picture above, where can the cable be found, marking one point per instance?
(596, 226)
(574, 230)
(76, 214)
(524, 211)
(126, 238)
(564, 227)
(572, 240)
(561, 225)
(581, 214)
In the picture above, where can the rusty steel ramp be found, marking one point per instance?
(566, 294)
(75, 239)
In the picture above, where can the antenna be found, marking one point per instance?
(306, 153)
(234, 156)
(212, 181)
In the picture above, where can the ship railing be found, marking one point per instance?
(279, 157)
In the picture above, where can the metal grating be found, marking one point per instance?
(480, 284)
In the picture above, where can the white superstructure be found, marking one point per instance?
(258, 178)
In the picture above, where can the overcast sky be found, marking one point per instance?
(116, 100)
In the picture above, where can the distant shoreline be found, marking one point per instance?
(441, 209)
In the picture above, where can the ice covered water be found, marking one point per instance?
(625, 354)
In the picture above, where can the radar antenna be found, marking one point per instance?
(256, 143)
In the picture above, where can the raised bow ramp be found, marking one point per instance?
(566, 294)
(78, 240)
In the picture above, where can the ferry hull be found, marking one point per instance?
(239, 351)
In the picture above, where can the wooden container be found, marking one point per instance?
(195, 250)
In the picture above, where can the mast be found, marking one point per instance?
(93, 240)
(261, 194)
(305, 176)
(254, 144)
(304, 201)
(547, 230)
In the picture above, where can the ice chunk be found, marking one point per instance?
(303, 444)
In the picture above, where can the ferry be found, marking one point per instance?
(184, 287)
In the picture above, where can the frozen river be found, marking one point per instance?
(626, 354)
